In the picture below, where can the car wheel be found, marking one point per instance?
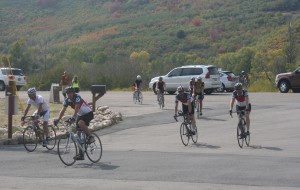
(221, 89)
(171, 92)
(2, 86)
(208, 91)
(284, 86)
(154, 88)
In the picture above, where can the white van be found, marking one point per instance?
(15, 74)
(181, 76)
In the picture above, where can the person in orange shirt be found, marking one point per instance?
(64, 82)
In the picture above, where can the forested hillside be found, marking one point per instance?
(111, 41)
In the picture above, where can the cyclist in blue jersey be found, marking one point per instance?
(187, 105)
(83, 114)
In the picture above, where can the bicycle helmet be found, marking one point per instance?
(160, 78)
(69, 89)
(31, 91)
(138, 77)
(193, 78)
(243, 72)
(238, 86)
(199, 78)
(180, 89)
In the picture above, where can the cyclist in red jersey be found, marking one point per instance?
(187, 106)
(160, 87)
(241, 98)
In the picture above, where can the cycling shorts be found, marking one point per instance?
(185, 109)
(86, 118)
(240, 108)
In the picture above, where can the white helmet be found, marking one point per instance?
(138, 77)
(180, 89)
(31, 91)
(199, 78)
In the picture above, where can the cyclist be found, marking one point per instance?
(241, 98)
(160, 88)
(199, 92)
(83, 114)
(192, 84)
(43, 110)
(187, 106)
(243, 78)
(138, 85)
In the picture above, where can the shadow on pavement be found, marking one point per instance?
(103, 166)
(268, 148)
(204, 145)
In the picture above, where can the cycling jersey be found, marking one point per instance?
(240, 99)
(39, 100)
(160, 86)
(84, 107)
(184, 98)
(138, 83)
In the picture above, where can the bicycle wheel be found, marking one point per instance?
(134, 98)
(52, 140)
(184, 134)
(94, 150)
(30, 139)
(240, 137)
(140, 98)
(67, 149)
(195, 136)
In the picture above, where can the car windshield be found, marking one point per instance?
(12, 72)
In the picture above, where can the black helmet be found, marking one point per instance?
(160, 78)
(69, 89)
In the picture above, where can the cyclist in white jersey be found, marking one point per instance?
(43, 110)
(83, 114)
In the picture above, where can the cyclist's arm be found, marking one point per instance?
(231, 103)
(247, 102)
(27, 109)
(76, 109)
(176, 107)
(62, 112)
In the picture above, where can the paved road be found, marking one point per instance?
(145, 151)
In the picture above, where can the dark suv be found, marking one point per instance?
(286, 81)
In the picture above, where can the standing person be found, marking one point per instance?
(160, 88)
(75, 84)
(199, 93)
(187, 106)
(83, 114)
(241, 98)
(43, 110)
(64, 82)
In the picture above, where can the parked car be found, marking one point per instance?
(182, 76)
(228, 80)
(286, 81)
(15, 74)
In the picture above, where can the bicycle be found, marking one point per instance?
(69, 145)
(186, 129)
(244, 80)
(137, 95)
(34, 134)
(161, 100)
(241, 130)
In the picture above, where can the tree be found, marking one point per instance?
(100, 58)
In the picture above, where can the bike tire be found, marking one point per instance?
(240, 139)
(67, 150)
(52, 140)
(94, 150)
(184, 134)
(140, 98)
(247, 140)
(134, 98)
(195, 136)
(30, 139)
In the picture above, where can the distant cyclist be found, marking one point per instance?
(192, 84)
(241, 98)
(199, 93)
(138, 84)
(43, 110)
(243, 78)
(160, 88)
(187, 106)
